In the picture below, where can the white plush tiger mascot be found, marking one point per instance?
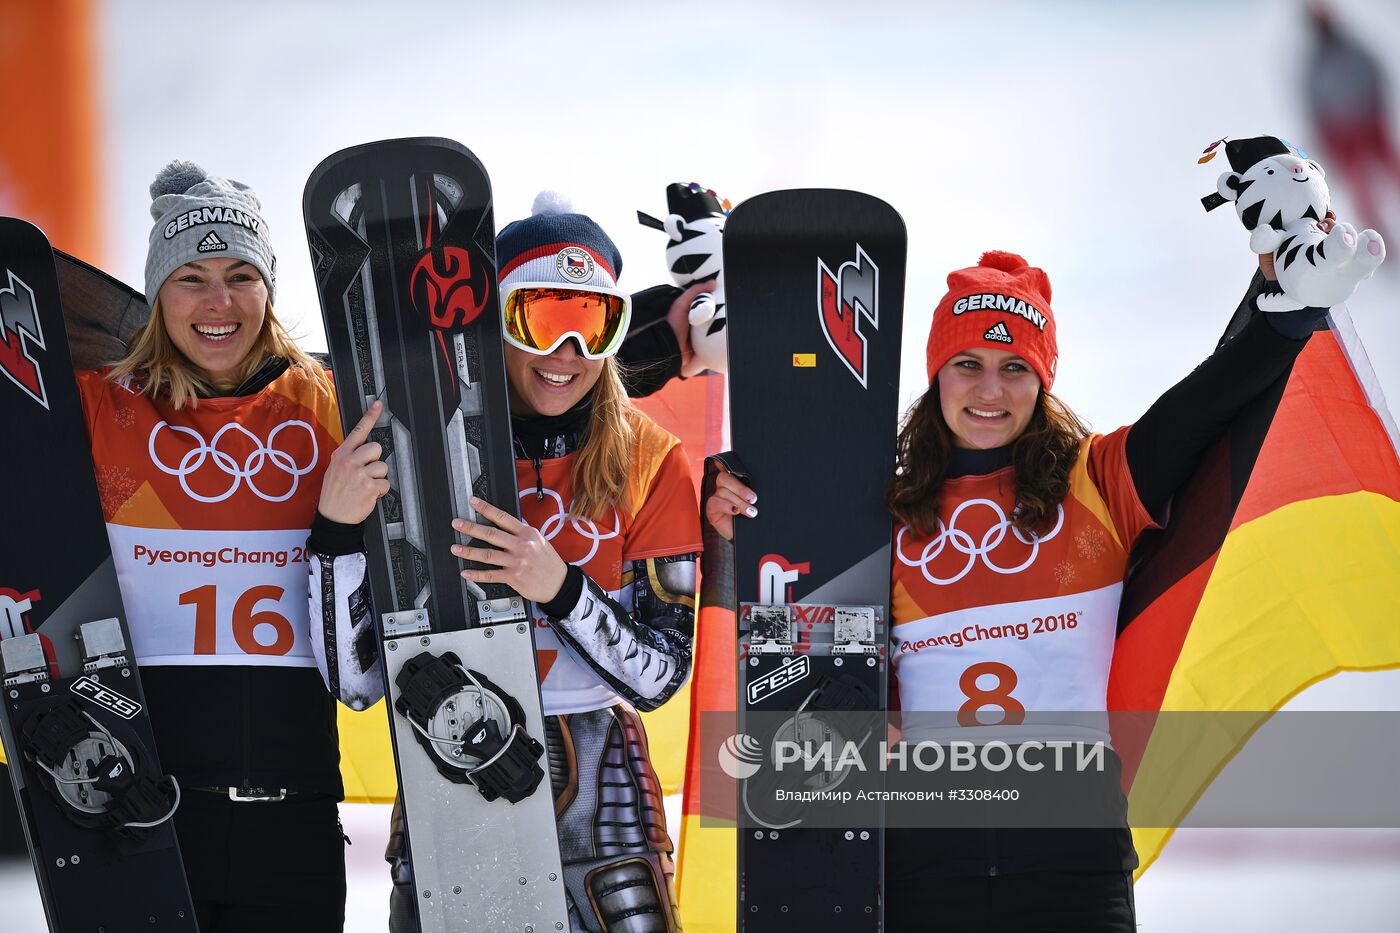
(696, 228)
(1280, 196)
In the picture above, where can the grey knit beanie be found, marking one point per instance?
(202, 216)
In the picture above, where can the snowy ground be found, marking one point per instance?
(1067, 131)
(1244, 881)
(1261, 881)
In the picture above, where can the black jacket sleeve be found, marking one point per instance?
(651, 355)
(1166, 443)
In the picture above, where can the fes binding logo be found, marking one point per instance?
(778, 678)
(106, 697)
(20, 334)
(844, 297)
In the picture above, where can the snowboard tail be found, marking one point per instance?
(93, 799)
(815, 284)
(403, 246)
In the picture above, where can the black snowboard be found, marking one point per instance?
(72, 700)
(815, 284)
(101, 314)
(403, 246)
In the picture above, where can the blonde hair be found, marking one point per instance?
(600, 472)
(154, 357)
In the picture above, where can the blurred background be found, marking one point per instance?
(1068, 131)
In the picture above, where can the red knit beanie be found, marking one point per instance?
(1001, 303)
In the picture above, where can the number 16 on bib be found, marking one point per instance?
(815, 283)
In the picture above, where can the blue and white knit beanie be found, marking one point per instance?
(201, 216)
(555, 246)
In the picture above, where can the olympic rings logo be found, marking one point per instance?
(585, 529)
(262, 455)
(951, 536)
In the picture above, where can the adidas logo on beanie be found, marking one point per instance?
(211, 243)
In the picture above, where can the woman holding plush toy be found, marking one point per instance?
(1004, 500)
(990, 452)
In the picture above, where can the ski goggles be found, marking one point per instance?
(538, 318)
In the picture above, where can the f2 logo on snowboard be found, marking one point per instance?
(844, 297)
(19, 334)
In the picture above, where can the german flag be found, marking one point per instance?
(1279, 567)
(707, 862)
(693, 410)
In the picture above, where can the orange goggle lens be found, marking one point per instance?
(539, 318)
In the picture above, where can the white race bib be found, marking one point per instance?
(214, 597)
(995, 671)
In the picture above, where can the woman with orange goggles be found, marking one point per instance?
(540, 317)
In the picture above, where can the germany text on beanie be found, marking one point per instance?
(1002, 303)
(201, 216)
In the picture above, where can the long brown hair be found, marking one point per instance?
(604, 461)
(1042, 457)
(154, 357)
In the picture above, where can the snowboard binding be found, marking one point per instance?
(100, 781)
(472, 729)
(837, 715)
(824, 648)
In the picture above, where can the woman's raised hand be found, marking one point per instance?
(678, 317)
(730, 498)
(356, 477)
(1266, 260)
(525, 561)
